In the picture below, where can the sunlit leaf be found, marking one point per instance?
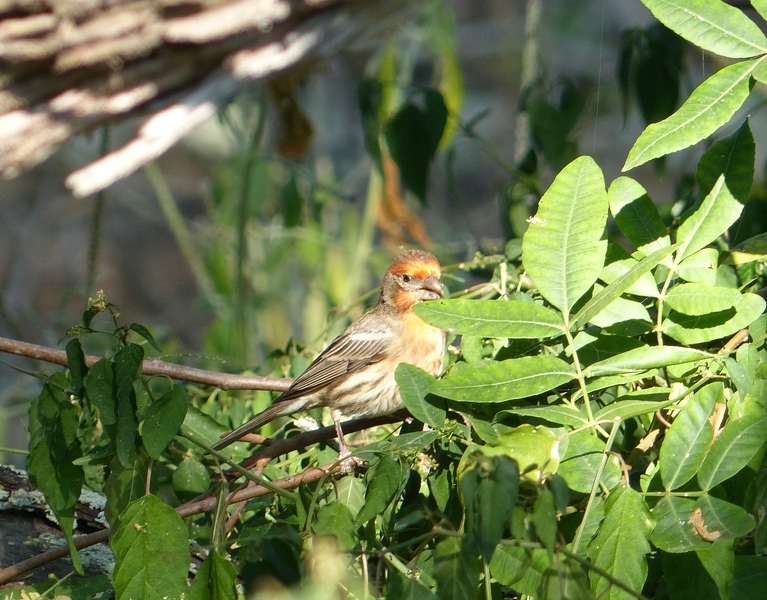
(709, 107)
(711, 219)
(563, 250)
(492, 318)
(733, 448)
(505, 380)
(711, 25)
(687, 440)
(701, 299)
(642, 359)
(622, 543)
(694, 329)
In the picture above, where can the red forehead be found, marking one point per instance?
(416, 263)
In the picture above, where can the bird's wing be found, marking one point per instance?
(349, 352)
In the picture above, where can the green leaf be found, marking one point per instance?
(709, 107)
(642, 359)
(489, 487)
(413, 384)
(408, 588)
(384, 479)
(581, 462)
(612, 292)
(621, 544)
(128, 362)
(53, 447)
(336, 520)
(563, 250)
(190, 479)
(734, 447)
(700, 267)
(291, 202)
(720, 520)
(457, 573)
(628, 409)
(146, 334)
(350, 492)
(544, 519)
(636, 216)
(523, 569)
(673, 529)
(754, 248)
(413, 135)
(101, 390)
(692, 329)
(163, 419)
(711, 219)
(215, 580)
(369, 99)
(504, 380)
(77, 367)
(732, 157)
(749, 582)
(123, 486)
(492, 318)
(688, 439)
(560, 414)
(535, 449)
(701, 299)
(712, 25)
(151, 552)
(686, 577)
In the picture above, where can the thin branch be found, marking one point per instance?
(186, 510)
(153, 366)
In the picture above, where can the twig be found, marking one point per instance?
(187, 510)
(153, 366)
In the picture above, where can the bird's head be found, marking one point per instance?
(411, 278)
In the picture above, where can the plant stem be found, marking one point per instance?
(595, 484)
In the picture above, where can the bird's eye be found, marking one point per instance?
(405, 278)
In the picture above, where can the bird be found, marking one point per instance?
(354, 374)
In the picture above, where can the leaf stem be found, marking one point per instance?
(595, 484)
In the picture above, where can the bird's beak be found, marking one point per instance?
(432, 287)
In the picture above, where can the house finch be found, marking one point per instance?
(354, 375)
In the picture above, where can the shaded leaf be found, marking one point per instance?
(216, 579)
(413, 135)
(732, 157)
(151, 552)
(336, 520)
(636, 216)
(413, 384)
(163, 419)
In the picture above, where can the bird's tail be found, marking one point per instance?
(278, 409)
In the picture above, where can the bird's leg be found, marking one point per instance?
(344, 453)
(343, 448)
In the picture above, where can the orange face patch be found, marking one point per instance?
(416, 263)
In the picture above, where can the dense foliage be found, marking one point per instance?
(599, 431)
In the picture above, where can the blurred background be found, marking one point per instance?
(231, 246)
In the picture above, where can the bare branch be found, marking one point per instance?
(153, 366)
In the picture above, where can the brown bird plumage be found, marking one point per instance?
(354, 375)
